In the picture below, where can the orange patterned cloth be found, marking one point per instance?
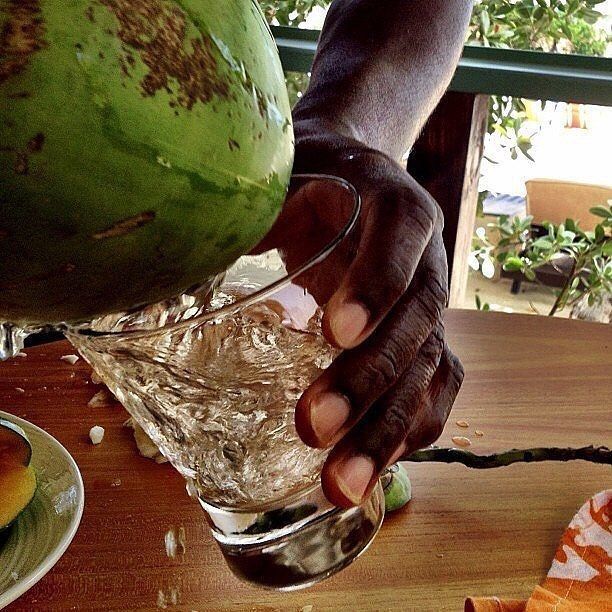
(580, 578)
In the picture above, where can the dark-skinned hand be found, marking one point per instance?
(390, 391)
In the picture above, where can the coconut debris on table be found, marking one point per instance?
(461, 441)
(146, 446)
(71, 359)
(175, 542)
(170, 543)
(167, 599)
(96, 434)
(100, 399)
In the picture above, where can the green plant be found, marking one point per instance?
(547, 25)
(296, 82)
(508, 117)
(289, 12)
(544, 25)
(480, 305)
(562, 26)
(521, 249)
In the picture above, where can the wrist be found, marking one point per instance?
(321, 148)
(309, 123)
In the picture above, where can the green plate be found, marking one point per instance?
(37, 540)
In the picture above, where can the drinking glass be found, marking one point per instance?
(213, 378)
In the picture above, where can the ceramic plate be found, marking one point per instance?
(37, 540)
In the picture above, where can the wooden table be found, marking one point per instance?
(530, 381)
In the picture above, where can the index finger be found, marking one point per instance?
(397, 226)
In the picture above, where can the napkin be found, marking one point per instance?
(580, 578)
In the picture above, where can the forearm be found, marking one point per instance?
(381, 67)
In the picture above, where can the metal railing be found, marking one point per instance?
(527, 74)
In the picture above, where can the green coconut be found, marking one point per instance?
(144, 146)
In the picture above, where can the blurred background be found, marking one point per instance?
(544, 162)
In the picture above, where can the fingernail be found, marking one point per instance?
(328, 413)
(348, 323)
(353, 477)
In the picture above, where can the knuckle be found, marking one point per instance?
(437, 288)
(379, 373)
(397, 420)
(457, 370)
(432, 429)
(431, 308)
(431, 352)
(381, 438)
(396, 279)
(426, 211)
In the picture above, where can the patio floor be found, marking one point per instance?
(532, 298)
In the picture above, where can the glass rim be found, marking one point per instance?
(257, 295)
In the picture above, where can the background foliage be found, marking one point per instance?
(563, 26)
(519, 246)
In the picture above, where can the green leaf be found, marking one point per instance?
(513, 264)
(600, 211)
(599, 233)
(504, 10)
(542, 243)
(607, 248)
(485, 21)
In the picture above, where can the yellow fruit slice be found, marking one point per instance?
(17, 488)
(15, 448)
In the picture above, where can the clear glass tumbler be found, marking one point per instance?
(213, 378)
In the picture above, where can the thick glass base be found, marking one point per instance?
(296, 545)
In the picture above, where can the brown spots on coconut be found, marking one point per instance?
(89, 14)
(21, 36)
(20, 95)
(125, 226)
(125, 71)
(22, 165)
(233, 144)
(36, 143)
(22, 158)
(157, 32)
(47, 275)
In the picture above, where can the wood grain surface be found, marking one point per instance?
(530, 381)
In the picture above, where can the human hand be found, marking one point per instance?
(391, 390)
